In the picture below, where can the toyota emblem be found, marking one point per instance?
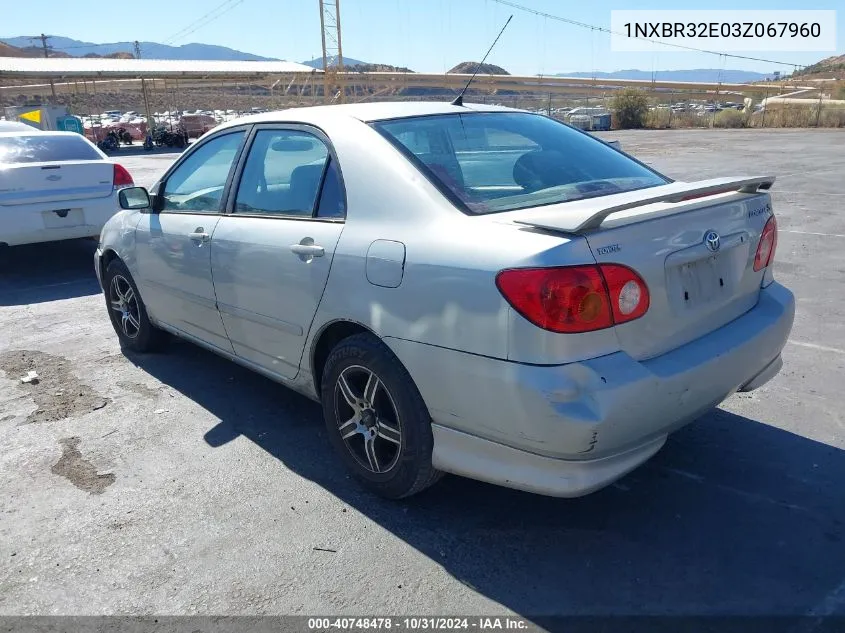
(712, 241)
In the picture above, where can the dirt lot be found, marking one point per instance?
(181, 484)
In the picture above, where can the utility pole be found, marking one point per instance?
(150, 119)
(765, 107)
(332, 50)
(46, 48)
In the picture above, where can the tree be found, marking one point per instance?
(630, 107)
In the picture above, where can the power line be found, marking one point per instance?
(202, 21)
(199, 19)
(593, 27)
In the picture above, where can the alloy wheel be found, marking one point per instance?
(367, 418)
(122, 299)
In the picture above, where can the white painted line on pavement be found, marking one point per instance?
(823, 348)
(811, 233)
(753, 496)
(815, 193)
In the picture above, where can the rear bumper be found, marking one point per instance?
(568, 430)
(477, 458)
(34, 223)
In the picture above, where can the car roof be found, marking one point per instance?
(16, 126)
(35, 131)
(365, 112)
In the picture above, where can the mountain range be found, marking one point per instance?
(65, 46)
(347, 61)
(150, 50)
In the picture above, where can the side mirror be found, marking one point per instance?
(133, 198)
(615, 144)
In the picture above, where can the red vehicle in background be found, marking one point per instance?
(195, 125)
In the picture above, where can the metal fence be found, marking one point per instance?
(584, 107)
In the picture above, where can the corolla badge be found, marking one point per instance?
(54, 177)
(712, 241)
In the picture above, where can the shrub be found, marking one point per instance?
(630, 108)
(786, 115)
(730, 118)
(832, 117)
(682, 120)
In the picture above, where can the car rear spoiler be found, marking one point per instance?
(579, 216)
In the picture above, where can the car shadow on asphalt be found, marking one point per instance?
(733, 516)
(37, 273)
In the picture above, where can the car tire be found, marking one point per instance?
(381, 429)
(127, 312)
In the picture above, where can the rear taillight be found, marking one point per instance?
(768, 243)
(575, 298)
(121, 177)
(628, 293)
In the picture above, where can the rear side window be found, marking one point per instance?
(283, 174)
(491, 162)
(45, 148)
(332, 203)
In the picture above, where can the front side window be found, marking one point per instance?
(197, 184)
(283, 174)
(495, 161)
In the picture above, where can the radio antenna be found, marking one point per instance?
(459, 100)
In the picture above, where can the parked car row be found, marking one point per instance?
(465, 289)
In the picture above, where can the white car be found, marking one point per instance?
(55, 186)
(16, 126)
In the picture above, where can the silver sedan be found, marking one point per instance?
(466, 289)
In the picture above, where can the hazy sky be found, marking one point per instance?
(424, 35)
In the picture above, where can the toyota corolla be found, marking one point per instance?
(465, 289)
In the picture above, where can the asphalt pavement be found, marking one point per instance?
(180, 483)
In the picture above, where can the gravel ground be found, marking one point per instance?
(180, 483)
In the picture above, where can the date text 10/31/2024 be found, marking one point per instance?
(417, 623)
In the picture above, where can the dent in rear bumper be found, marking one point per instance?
(477, 458)
(604, 406)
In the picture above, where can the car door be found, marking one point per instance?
(173, 243)
(272, 252)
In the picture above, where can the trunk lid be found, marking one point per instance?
(29, 183)
(693, 247)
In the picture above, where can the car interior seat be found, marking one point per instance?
(541, 169)
(304, 183)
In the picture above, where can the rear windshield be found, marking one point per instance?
(488, 162)
(44, 148)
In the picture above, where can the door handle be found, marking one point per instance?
(308, 250)
(199, 234)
